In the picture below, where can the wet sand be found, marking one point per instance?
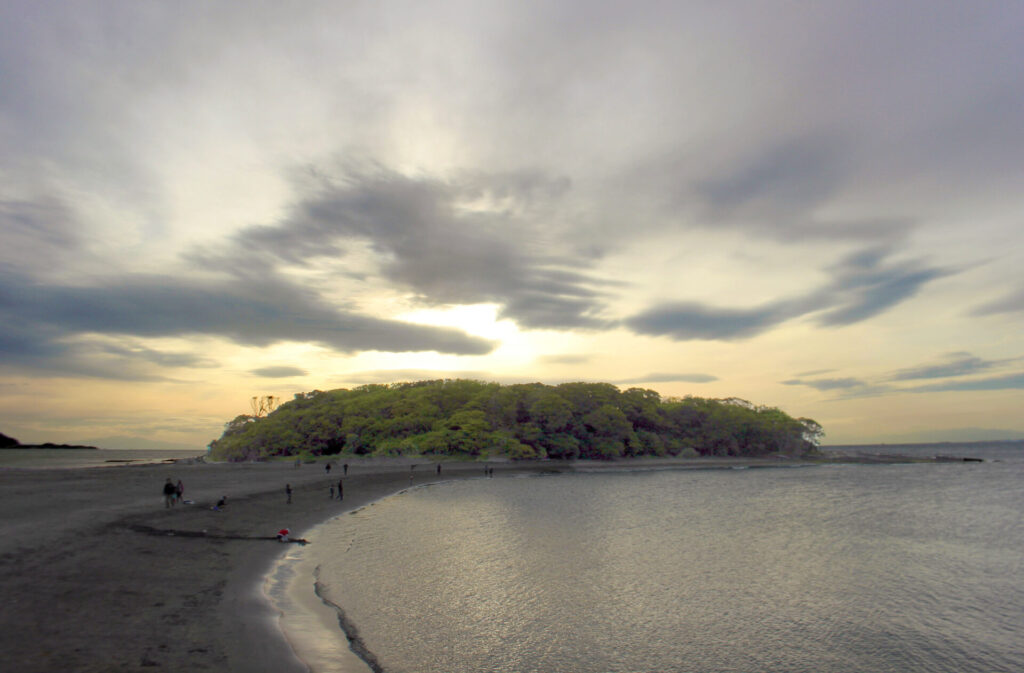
(97, 575)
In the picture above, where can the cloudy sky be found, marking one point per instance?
(815, 206)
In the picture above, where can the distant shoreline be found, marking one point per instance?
(902, 445)
(51, 445)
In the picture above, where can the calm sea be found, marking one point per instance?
(909, 568)
(65, 458)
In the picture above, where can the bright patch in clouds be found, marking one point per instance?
(478, 319)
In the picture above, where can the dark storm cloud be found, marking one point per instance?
(279, 372)
(481, 239)
(957, 364)
(863, 286)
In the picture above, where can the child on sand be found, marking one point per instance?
(284, 534)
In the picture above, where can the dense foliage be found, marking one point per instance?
(476, 419)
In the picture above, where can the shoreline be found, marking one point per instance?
(97, 575)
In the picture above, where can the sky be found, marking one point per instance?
(811, 206)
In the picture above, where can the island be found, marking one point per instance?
(11, 443)
(476, 420)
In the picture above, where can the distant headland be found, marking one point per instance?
(11, 443)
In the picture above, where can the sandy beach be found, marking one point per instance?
(97, 575)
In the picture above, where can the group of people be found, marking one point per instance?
(173, 493)
(344, 468)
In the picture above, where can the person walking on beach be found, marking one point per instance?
(179, 491)
(439, 469)
(344, 469)
(169, 493)
(288, 492)
(327, 468)
(341, 491)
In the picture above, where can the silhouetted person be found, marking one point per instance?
(344, 468)
(327, 468)
(288, 492)
(341, 490)
(439, 469)
(169, 492)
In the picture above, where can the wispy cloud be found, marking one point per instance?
(47, 318)
(955, 367)
(468, 241)
(957, 364)
(565, 359)
(1006, 382)
(863, 285)
(279, 372)
(1010, 303)
(814, 372)
(827, 384)
(670, 378)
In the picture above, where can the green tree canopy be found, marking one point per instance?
(463, 418)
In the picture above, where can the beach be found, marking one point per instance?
(98, 575)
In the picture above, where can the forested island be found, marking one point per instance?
(460, 418)
(11, 443)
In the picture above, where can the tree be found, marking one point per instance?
(812, 431)
(551, 412)
(261, 406)
(474, 418)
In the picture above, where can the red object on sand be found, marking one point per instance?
(283, 531)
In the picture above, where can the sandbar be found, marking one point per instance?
(97, 574)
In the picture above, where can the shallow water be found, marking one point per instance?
(844, 568)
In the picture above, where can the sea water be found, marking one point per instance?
(840, 568)
(74, 458)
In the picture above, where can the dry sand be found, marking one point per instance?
(96, 575)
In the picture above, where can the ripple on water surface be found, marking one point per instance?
(867, 568)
